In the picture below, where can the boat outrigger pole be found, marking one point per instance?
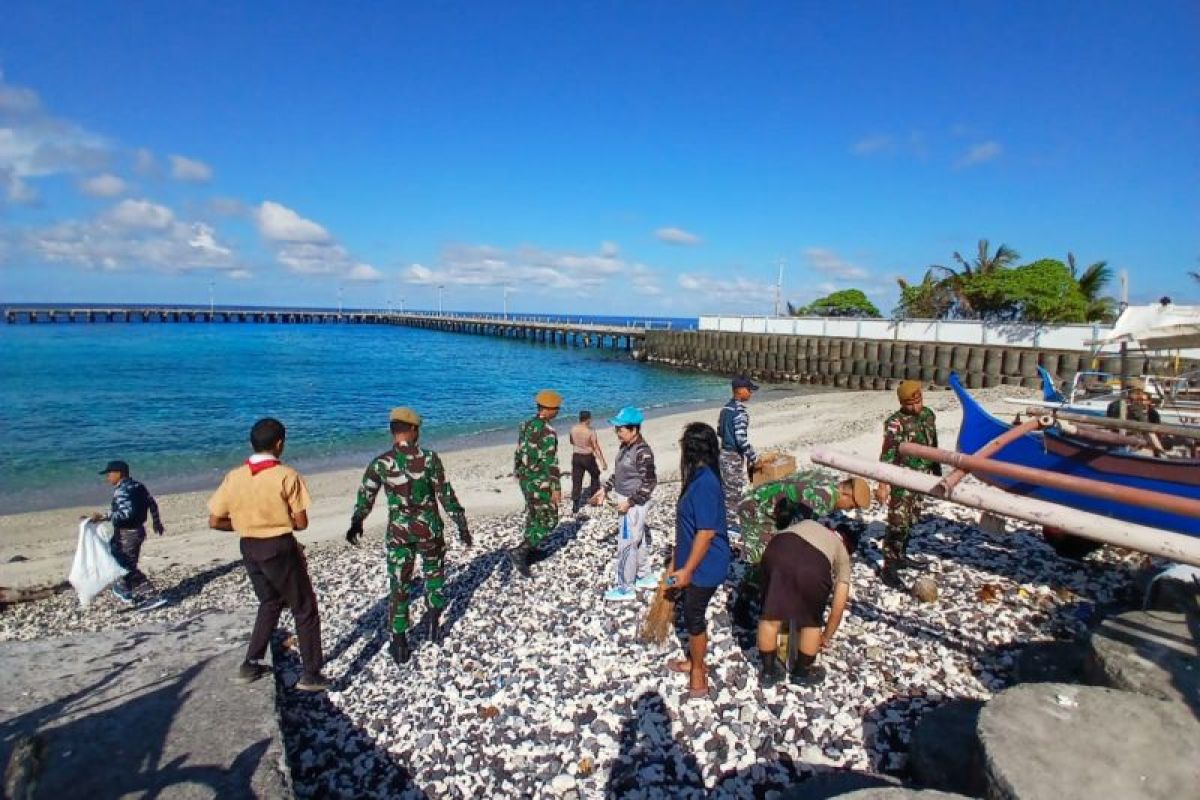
(1120, 424)
(1173, 546)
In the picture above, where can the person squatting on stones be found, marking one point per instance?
(631, 484)
(912, 423)
(737, 454)
(702, 552)
(586, 457)
(535, 465)
(802, 568)
(414, 481)
(131, 504)
(264, 501)
(815, 492)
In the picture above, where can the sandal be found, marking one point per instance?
(679, 665)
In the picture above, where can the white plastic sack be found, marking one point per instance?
(94, 567)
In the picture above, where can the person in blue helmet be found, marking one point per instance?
(631, 484)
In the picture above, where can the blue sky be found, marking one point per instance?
(640, 158)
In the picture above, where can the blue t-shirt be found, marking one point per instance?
(702, 507)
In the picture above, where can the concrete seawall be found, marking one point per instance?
(873, 364)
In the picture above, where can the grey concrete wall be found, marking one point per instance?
(873, 364)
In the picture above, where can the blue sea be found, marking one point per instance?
(177, 400)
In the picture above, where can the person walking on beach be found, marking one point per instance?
(414, 481)
(264, 501)
(702, 552)
(631, 484)
(586, 457)
(916, 423)
(803, 567)
(737, 454)
(131, 504)
(535, 465)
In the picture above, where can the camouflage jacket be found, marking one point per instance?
(920, 428)
(131, 503)
(815, 491)
(536, 461)
(414, 480)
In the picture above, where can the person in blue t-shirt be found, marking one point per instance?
(701, 545)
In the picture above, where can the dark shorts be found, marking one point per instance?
(797, 581)
(694, 603)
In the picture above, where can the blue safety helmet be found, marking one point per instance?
(627, 416)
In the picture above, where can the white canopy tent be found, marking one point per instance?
(1159, 326)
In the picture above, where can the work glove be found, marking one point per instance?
(355, 533)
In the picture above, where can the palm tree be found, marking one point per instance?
(929, 299)
(956, 281)
(1100, 308)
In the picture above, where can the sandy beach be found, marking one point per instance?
(43, 542)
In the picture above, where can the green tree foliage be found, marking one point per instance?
(1091, 282)
(845, 303)
(1043, 291)
(929, 299)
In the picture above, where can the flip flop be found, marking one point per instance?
(679, 665)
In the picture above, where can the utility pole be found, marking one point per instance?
(211, 287)
(440, 287)
(779, 288)
(506, 301)
(401, 305)
(1124, 292)
(339, 299)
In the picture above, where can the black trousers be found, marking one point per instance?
(581, 463)
(279, 574)
(126, 548)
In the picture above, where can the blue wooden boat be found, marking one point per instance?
(1057, 453)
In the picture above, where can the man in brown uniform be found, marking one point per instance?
(264, 500)
(586, 457)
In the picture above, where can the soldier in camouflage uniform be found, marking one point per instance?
(810, 493)
(535, 465)
(912, 423)
(414, 481)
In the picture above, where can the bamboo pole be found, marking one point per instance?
(994, 446)
(1172, 504)
(1173, 546)
(1121, 424)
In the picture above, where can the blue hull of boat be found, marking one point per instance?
(979, 427)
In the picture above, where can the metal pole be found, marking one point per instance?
(440, 287)
(1161, 428)
(211, 286)
(1173, 546)
(339, 300)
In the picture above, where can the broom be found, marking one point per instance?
(660, 619)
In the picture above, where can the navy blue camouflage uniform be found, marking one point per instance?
(131, 504)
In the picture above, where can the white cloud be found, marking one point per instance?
(34, 144)
(874, 145)
(240, 274)
(733, 292)
(980, 154)
(830, 263)
(133, 235)
(677, 236)
(533, 268)
(364, 273)
(14, 188)
(140, 214)
(144, 163)
(189, 169)
(278, 223)
(103, 185)
(228, 207)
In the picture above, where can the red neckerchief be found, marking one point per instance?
(258, 466)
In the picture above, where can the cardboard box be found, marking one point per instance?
(772, 466)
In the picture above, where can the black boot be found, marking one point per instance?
(805, 672)
(771, 672)
(909, 562)
(519, 556)
(399, 648)
(435, 626)
(891, 577)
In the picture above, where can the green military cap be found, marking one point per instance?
(405, 415)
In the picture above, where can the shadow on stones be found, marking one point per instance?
(563, 534)
(117, 750)
(194, 584)
(887, 732)
(652, 758)
(328, 755)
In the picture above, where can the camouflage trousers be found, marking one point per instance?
(541, 516)
(903, 512)
(401, 561)
(733, 478)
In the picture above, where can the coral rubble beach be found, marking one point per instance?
(541, 689)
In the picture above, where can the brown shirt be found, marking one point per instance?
(583, 439)
(830, 545)
(260, 506)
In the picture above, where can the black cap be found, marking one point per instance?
(742, 382)
(116, 466)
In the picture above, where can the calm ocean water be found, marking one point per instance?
(178, 400)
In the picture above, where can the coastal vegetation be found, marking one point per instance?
(844, 303)
(994, 287)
